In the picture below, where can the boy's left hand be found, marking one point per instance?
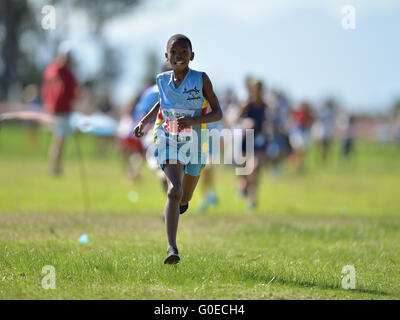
(184, 122)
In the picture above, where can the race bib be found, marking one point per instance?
(171, 125)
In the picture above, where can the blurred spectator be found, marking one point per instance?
(228, 100)
(326, 128)
(134, 149)
(244, 93)
(59, 90)
(105, 106)
(208, 181)
(349, 136)
(302, 119)
(230, 108)
(280, 110)
(384, 132)
(279, 147)
(396, 129)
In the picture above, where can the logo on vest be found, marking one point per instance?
(193, 94)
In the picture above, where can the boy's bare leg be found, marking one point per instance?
(174, 174)
(189, 184)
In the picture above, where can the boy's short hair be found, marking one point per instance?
(179, 37)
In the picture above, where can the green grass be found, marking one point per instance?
(306, 229)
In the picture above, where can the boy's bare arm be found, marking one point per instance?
(209, 94)
(213, 116)
(150, 116)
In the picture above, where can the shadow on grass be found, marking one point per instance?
(270, 279)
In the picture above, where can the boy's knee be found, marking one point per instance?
(175, 193)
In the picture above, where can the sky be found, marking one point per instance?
(296, 46)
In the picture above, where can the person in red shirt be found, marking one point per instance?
(303, 117)
(59, 90)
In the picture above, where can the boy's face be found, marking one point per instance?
(179, 55)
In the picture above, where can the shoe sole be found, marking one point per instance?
(184, 209)
(173, 259)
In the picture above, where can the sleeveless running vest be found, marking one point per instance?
(186, 100)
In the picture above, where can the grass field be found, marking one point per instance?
(293, 246)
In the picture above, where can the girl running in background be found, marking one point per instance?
(181, 115)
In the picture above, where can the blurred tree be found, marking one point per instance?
(98, 13)
(101, 11)
(12, 15)
(21, 32)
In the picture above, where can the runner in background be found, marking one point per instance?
(254, 116)
(134, 149)
(279, 148)
(327, 120)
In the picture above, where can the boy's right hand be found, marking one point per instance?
(138, 131)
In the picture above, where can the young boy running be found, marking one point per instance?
(181, 115)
